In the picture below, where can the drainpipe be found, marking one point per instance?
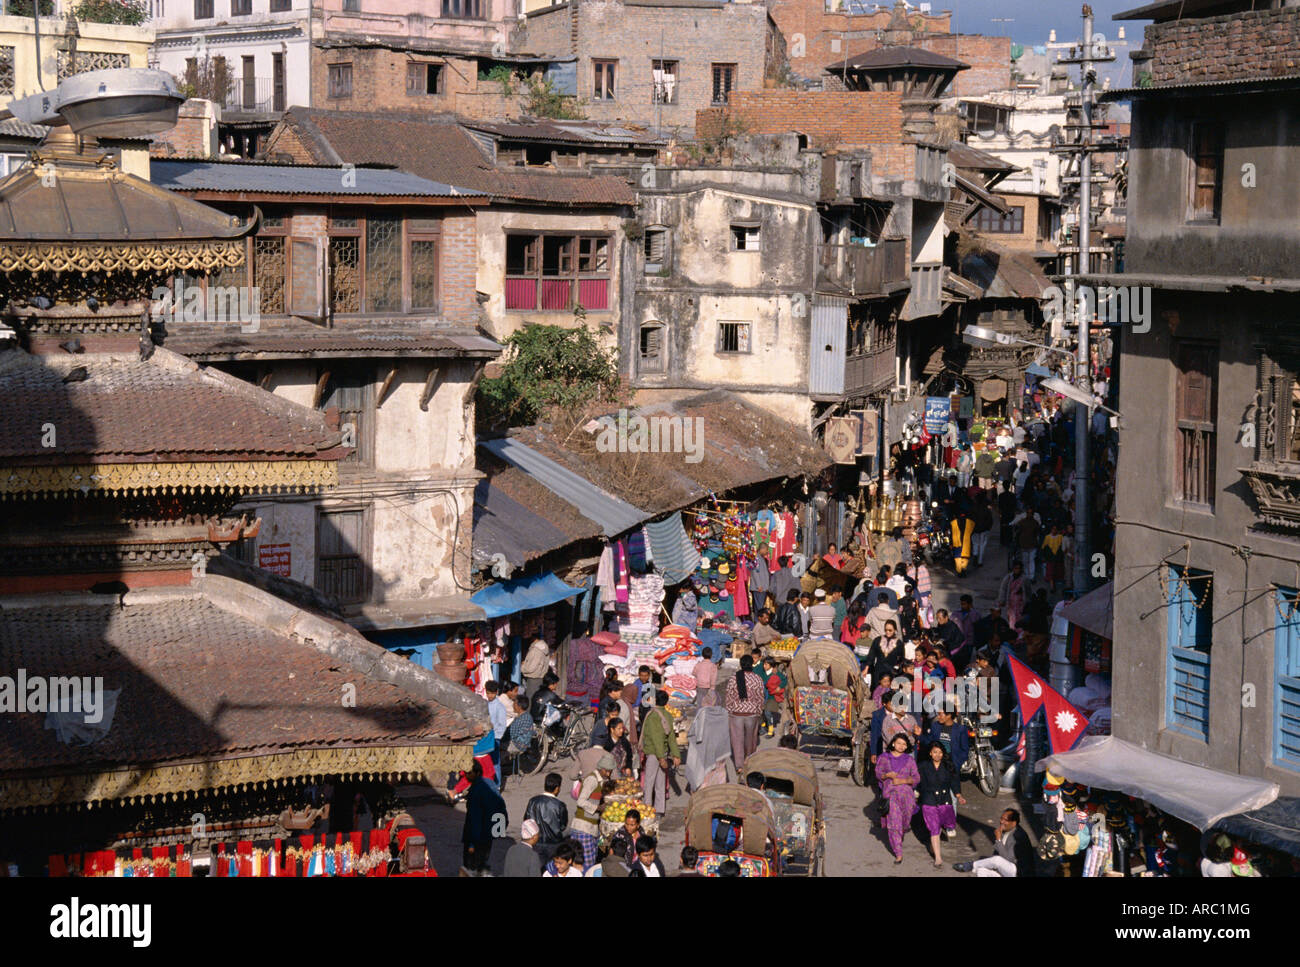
(311, 80)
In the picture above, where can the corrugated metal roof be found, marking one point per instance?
(1124, 93)
(15, 128)
(613, 515)
(295, 179)
(885, 57)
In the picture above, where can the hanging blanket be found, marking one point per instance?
(674, 554)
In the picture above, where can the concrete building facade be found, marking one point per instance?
(1209, 475)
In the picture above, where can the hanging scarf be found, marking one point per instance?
(621, 587)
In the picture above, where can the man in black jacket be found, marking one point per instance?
(1012, 854)
(789, 620)
(551, 817)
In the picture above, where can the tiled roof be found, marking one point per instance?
(294, 179)
(394, 337)
(165, 409)
(203, 677)
(438, 148)
(586, 132)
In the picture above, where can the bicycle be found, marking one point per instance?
(565, 734)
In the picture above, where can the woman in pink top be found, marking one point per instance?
(706, 680)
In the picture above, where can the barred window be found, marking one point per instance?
(268, 273)
(345, 273)
(424, 273)
(733, 337)
(383, 264)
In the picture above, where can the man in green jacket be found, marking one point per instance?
(659, 743)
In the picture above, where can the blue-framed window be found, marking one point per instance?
(1187, 667)
(1286, 678)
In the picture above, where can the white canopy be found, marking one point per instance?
(1194, 794)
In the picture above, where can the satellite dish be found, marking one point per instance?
(117, 103)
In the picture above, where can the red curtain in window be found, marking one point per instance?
(521, 293)
(556, 293)
(593, 294)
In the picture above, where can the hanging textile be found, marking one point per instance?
(636, 552)
(740, 596)
(621, 572)
(675, 555)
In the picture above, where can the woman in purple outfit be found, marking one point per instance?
(939, 786)
(898, 776)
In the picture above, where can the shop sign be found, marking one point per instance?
(274, 558)
(938, 411)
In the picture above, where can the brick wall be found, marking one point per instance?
(379, 80)
(284, 140)
(695, 37)
(989, 59)
(816, 38)
(192, 137)
(459, 263)
(1264, 43)
(830, 119)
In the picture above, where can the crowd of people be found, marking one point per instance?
(1011, 477)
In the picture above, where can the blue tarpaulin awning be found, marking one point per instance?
(523, 594)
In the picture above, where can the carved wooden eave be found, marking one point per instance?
(130, 479)
(71, 212)
(145, 782)
(212, 255)
(1276, 488)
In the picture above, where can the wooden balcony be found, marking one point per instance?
(864, 270)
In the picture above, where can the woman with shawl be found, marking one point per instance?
(898, 776)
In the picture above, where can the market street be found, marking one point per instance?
(855, 843)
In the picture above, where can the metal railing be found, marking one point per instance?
(255, 94)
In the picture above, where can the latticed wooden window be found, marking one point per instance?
(383, 264)
(1197, 375)
(1278, 421)
(6, 70)
(1207, 170)
(90, 60)
(424, 273)
(268, 273)
(345, 273)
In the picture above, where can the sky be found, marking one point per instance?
(1032, 19)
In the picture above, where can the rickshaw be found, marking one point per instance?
(733, 822)
(789, 781)
(827, 700)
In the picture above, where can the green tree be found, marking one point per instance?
(547, 369)
(542, 100)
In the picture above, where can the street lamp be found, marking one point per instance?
(121, 102)
(1076, 393)
(983, 337)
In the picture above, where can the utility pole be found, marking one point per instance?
(1087, 54)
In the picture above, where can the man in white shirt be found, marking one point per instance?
(821, 616)
(646, 860)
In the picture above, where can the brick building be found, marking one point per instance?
(365, 292)
(816, 36)
(546, 246)
(654, 62)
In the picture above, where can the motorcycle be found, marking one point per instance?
(982, 764)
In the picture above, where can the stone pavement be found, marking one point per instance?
(856, 844)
